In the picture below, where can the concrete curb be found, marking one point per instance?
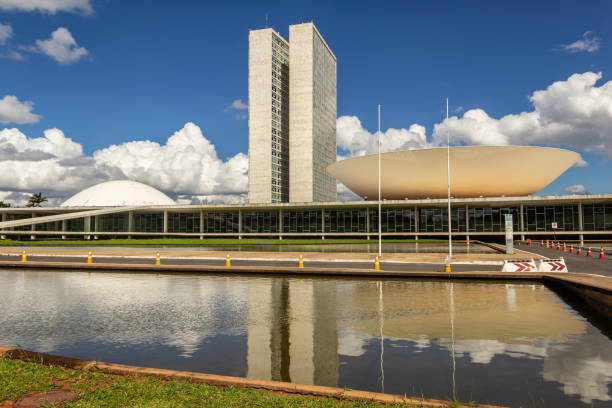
(267, 270)
(235, 258)
(227, 381)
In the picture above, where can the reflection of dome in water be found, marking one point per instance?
(118, 193)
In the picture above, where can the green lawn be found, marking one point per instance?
(200, 242)
(103, 390)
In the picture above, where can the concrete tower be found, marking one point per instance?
(312, 115)
(268, 117)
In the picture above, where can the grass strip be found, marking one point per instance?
(97, 389)
(221, 242)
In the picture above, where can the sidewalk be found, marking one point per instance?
(438, 258)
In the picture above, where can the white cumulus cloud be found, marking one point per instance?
(186, 166)
(14, 111)
(187, 163)
(61, 46)
(48, 6)
(576, 189)
(575, 112)
(357, 141)
(588, 43)
(6, 32)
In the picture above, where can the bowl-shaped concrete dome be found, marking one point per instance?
(488, 171)
(118, 193)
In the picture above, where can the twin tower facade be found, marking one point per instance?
(292, 116)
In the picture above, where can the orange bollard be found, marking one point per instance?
(602, 255)
(589, 253)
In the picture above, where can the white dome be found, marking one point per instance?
(118, 193)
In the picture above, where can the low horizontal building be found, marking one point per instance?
(574, 216)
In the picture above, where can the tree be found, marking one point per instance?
(36, 200)
(4, 205)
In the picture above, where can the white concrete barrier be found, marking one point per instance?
(527, 265)
(552, 265)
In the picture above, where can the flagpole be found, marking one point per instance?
(447, 267)
(379, 192)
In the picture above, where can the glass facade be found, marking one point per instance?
(345, 220)
(113, 223)
(184, 222)
(324, 147)
(302, 221)
(541, 218)
(148, 222)
(393, 220)
(219, 222)
(492, 219)
(597, 217)
(400, 220)
(260, 221)
(280, 120)
(435, 219)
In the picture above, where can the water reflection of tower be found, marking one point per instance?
(292, 331)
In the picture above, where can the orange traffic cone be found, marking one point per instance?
(542, 243)
(602, 255)
(579, 252)
(558, 246)
(301, 262)
(377, 264)
(571, 248)
(564, 247)
(228, 262)
(529, 241)
(547, 246)
(589, 253)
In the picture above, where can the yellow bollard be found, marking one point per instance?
(228, 262)
(89, 259)
(24, 257)
(157, 259)
(447, 268)
(301, 262)
(377, 264)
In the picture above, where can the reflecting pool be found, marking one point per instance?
(498, 343)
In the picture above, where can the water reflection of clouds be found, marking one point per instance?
(295, 329)
(518, 321)
(144, 312)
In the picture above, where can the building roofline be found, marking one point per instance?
(273, 31)
(320, 36)
(487, 201)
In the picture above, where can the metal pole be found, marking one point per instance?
(450, 245)
(379, 192)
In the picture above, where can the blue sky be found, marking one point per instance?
(140, 71)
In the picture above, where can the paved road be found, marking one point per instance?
(576, 263)
(390, 266)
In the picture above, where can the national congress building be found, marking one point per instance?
(293, 172)
(292, 116)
